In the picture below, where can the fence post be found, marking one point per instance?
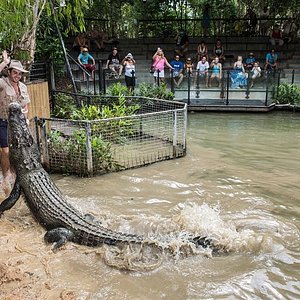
(174, 132)
(104, 81)
(44, 141)
(133, 79)
(89, 152)
(52, 75)
(267, 91)
(197, 84)
(100, 75)
(293, 76)
(189, 87)
(227, 87)
(172, 81)
(248, 86)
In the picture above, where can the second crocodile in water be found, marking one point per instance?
(62, 221)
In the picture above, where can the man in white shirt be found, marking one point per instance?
(202, 69)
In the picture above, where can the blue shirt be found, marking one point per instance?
(271, 58)
(177, 65)
(84, 58)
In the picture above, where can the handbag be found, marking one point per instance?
(152, 68)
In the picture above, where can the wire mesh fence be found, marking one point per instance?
(155, 133)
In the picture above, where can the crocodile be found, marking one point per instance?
(62, 221)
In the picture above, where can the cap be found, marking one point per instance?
(84, 49)
(251, 53)
(129, 55)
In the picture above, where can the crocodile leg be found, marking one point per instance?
(11, 200)
(59, 236)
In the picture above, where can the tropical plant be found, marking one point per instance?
(64, 106)
(20, 19)
(159, 92)
(287, 94)
(118, 89)
(73, 152)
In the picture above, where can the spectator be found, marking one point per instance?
(206, 20)
(11, 90)
(263, 23)
(201, 50)
(289, 31)
(276, 36)
(202, 69)
(80, 42)
(182, 43)
(98, 36)
(129, 66)
(178, 66)
(189, 67)
(216, 71)
(249, 62)
(255, 73)
(251, 22)
(218, 51)
(159, 62)
(87, 61)
(113, 62)
(271, 64)
(238, 74)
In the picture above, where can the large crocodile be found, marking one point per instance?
(62, 221)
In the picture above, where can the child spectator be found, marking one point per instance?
(256, 73)
(87, 61)
(271, 61)
(189, 67)
(249, 62)
(216, 71)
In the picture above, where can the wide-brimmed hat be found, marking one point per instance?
(16, 64)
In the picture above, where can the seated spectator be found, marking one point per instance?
(189, 67)
(238, 74)
(87, 61)
(202, 69)
(182, 43)
(80, 42)
(113, 62)
(276, 36)
(249, 62)
(255, 73)
(289, 31)
(216, 71)
(271, 64)
(97, 36)
(218, 51)
(201, 50)
(178, 66)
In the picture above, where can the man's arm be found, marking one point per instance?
(6, 60)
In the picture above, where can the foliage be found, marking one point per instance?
(288, 94)
(118, 89)
(74, 147)
(20, 18)
(159, 92)
(64, 106)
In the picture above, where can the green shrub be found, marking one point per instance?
(118, 89)
(159, 92)
(288, 94)
(73, 151)
(64, 106)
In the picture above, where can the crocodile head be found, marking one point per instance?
(22, 149)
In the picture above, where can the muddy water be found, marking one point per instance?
(239, 185)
